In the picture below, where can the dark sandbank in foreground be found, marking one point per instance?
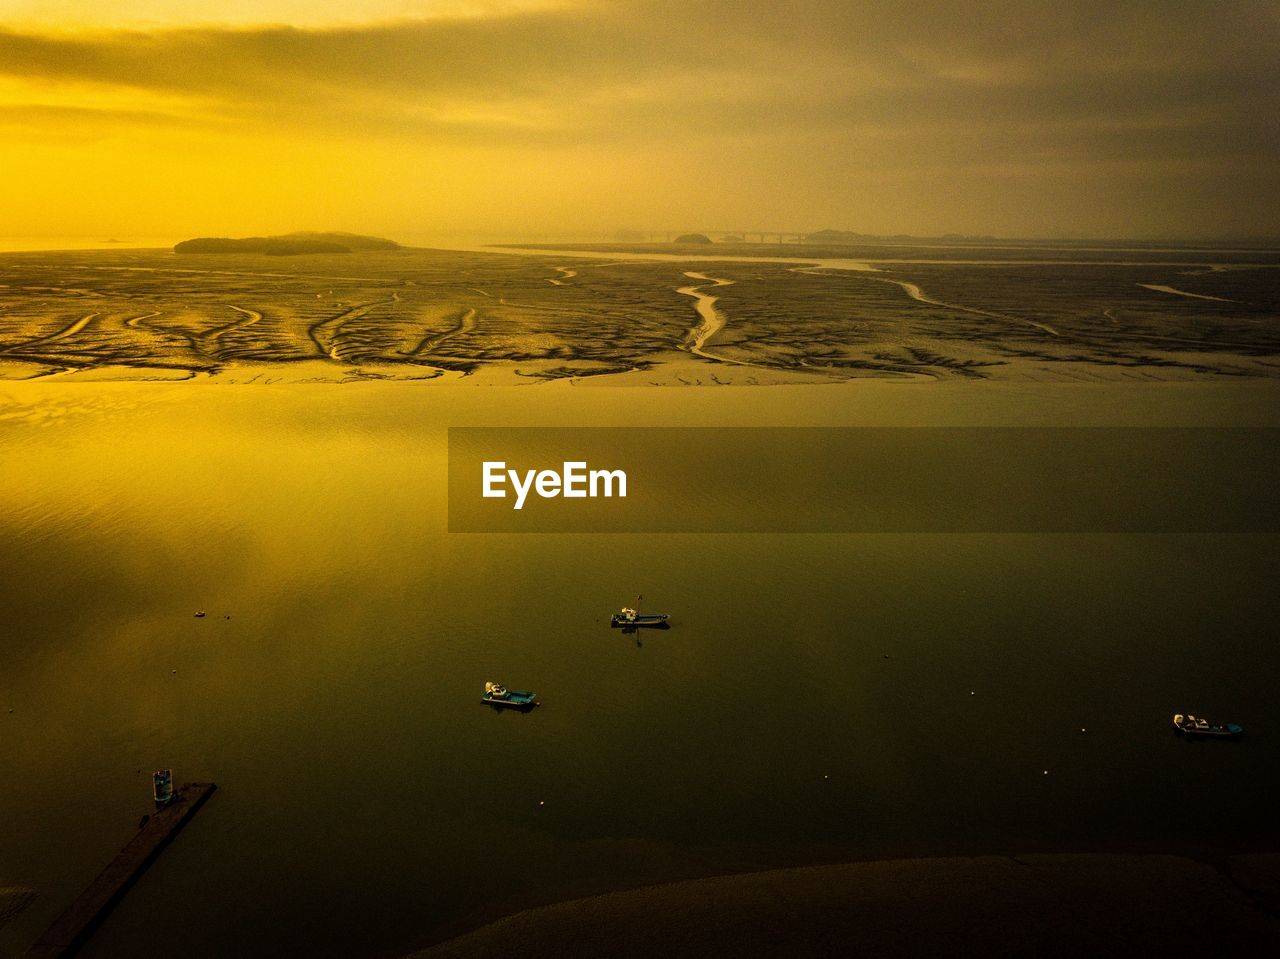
(1042, 905)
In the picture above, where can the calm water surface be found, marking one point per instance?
(819, 697)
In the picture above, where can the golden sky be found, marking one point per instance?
(403, 117)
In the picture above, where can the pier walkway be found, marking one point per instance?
(70, 930)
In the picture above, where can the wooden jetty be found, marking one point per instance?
(70, 930)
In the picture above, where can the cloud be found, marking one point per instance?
(837, 61)
(930, 85)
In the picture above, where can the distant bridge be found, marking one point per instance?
(667, 236)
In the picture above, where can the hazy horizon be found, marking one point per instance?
(532, 117)
(464, 240)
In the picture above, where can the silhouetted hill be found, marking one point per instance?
(693, 238)
(290, 244)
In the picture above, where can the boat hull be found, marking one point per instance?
(655, 621)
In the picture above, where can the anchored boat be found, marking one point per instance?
(1195, 726)
(162, 786)
(498, 695)
(631, 617)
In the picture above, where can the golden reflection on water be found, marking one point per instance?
(336, 707)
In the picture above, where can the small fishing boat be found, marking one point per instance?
(162, 786)
(498, 695)
(631, 617)
(1195, 726)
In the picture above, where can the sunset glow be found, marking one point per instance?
(544, 117)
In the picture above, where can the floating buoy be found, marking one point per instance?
(173, 671)
(200, 614)
(971, 692)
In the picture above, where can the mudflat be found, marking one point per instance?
(662, 318)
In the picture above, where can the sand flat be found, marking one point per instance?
(493, 318)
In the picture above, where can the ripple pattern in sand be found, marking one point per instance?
(209, 341)
(467, 323)
(65, 333)
(328, 335)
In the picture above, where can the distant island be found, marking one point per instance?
(290, 244)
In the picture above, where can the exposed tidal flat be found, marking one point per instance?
(819, 698)
(661, 316)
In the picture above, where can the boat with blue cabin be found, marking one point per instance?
(1190, 725)
(496, 694)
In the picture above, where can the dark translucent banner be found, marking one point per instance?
(864, 480)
